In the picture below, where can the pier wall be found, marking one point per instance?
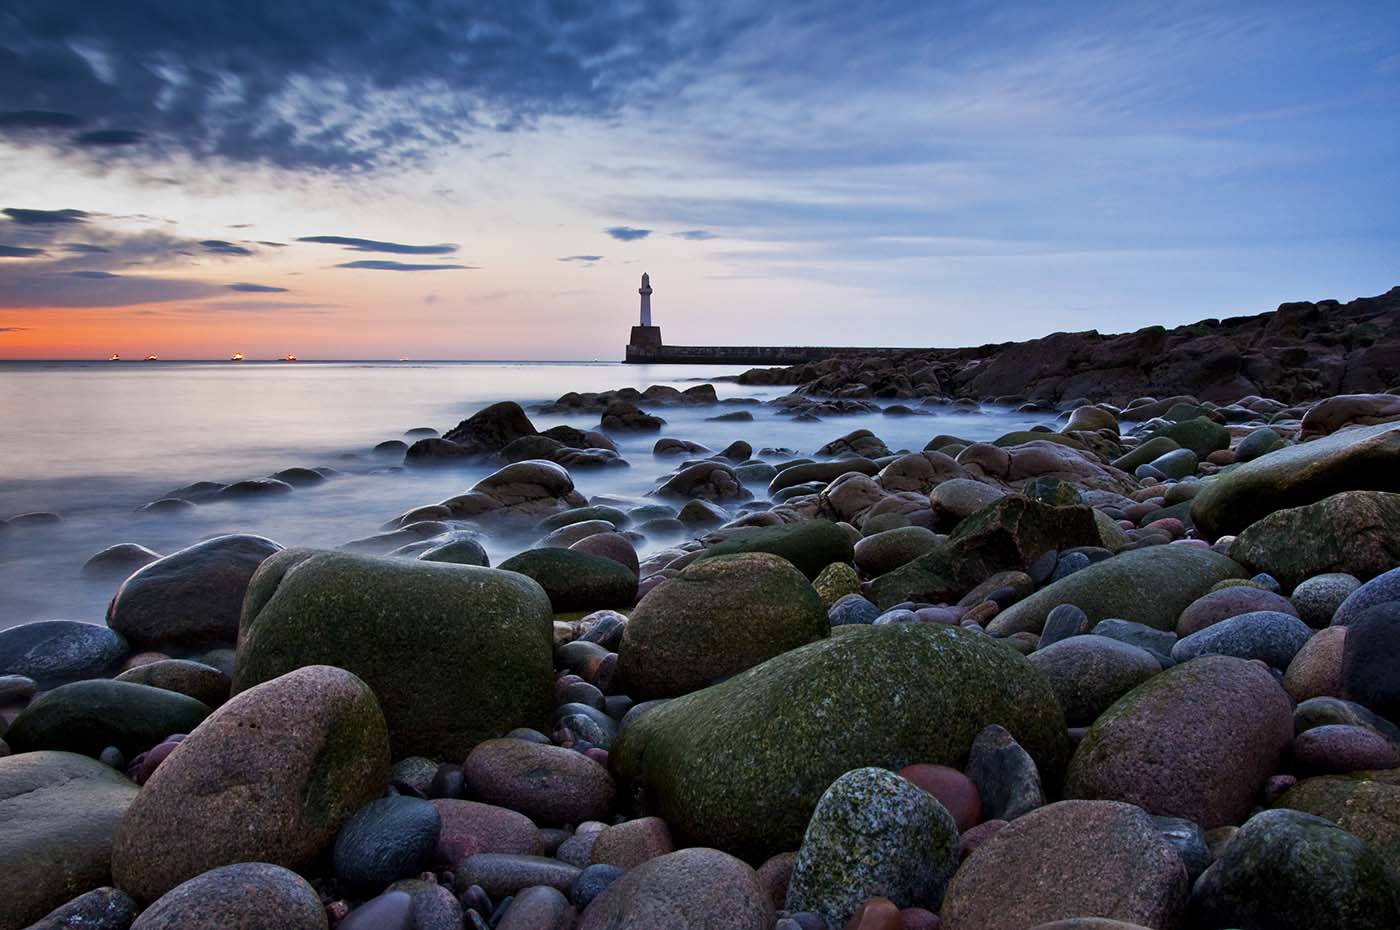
(654, 354)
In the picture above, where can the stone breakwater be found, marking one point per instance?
(1136, 667)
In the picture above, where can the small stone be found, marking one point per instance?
(1062, 622)
(691, 889)
(954, 790)
(630, 844)
(501, 874)
(1004, 774)
(99, 909)
(591, 882)
(392, 910)
(387, 839)
(549, 784)
(1318, 598)
(539, 907)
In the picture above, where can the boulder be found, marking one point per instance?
(191, 597)
(1089, 673)
(1316, 670)
(1370, 658)
(1201, 435)
(820, 471)
(242, 896)
(706, 481)
(53, 652)
(716, 618)
(1113, 588)
(59, 812)
(693, 889)
(1286, 870)
(1224, 603)
(491, 429)
(549, 784)
(1068, 859)
(521, 492)
(479, 641)
(1318, 598)
(1332, 413)
(99, 909)
(88, 716)
(1196, 741)
(958, 498)
(269, 777)
(1362, 459)
(576, 580)
(811, 545)
(1014, 531)
(884, 552)
(860, 443)
(386, 840)
(873, 834)
(1354, 533)
(1269, 636)
(1004, 774)
(118, 561)
(204, 683)
(741, 765)
(1379, 590)
(621, 416)
(1365, 804)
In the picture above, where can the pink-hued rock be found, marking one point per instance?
(1339, 748)
(875, 914)
(1316, 670)
(973, 839)
(952, 788)
(775, 874)
(549, 784)
(711, 889)
(1196, 741)
(1066, 860)
(629, 844)
(1229, 602)
(470, 827)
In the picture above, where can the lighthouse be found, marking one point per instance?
(645, 291)
(645, 342)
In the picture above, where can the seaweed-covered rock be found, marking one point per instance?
(873, 834)
(269, 777)
(1196, 741)
(741, 765)
(478, 640)
(716, 618)
(1113, 588)
(1286, 870)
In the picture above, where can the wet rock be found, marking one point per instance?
(718, 617)
(1370, 656)
(99, 909)
(1005, 775)
(1196, 741)
(614, 546)
(190, 597)
(546, 783)
(873, 833)
(1354, 533)
(88, 716)
(408, 629)
(53, 652)
(520, 493)
(270, 776)
(387, 839)
(242, 896)
(796, 723)
(811, 545)
(491, 429)
(204, 683)
(1089, 673)
(118, 561)
(1315, 875)
(250, 488)
(1332, 413)
(1068, 859)
(620, 416)
(627, 845)
(707, 481)
(1338, 749)
(1364, 459)
(576, 580)
(693, 889)
(1267, 635)
(470, 827)
(1113, 588)
(60, 811)
(462, 550)
(537, 908)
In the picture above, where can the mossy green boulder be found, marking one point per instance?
(88, 716)
(740, 765)
(58, 812)
(811, 545)
(1363, 459)
(1151, 586)
(1287, 870)
(576, 580)
(718, 617)
(1366, 804)
(1201, 435)
(455, 653)
(1353, 533)
(836, 581)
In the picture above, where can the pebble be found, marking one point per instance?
(954, 790)
(539, 907)
(592, 881)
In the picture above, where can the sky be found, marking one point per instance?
(489, 180)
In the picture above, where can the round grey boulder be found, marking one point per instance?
(53, 652)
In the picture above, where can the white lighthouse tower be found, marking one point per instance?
(645, 291)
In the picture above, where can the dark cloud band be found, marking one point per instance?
(376, 245)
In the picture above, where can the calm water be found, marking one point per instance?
(92, 441)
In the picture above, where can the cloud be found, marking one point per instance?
(84, 248)
(45, 217)
(590, 259)
(33, 288)
(325, 84)
(627, 233)
(221, 247)
(90, 275)
(375, 245)
(258, 305)
(382, 265)
(12, 329)
(694, 235)
(108, 137)
(15, 251)
(257, 288)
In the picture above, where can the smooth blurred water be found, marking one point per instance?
(93, 441)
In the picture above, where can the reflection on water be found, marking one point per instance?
(94, 441)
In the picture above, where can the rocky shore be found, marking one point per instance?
(1137, 667)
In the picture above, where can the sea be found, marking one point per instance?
(92, 441)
